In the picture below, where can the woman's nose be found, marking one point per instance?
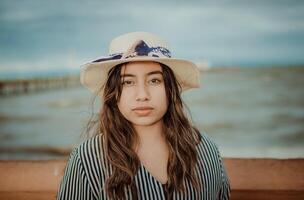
(142, 93)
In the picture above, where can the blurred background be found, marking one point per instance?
(250, 53)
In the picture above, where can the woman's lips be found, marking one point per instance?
(142, 111)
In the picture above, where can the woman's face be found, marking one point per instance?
(143, 99)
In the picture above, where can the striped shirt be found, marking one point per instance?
(84, 176)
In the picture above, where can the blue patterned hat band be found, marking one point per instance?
(139, 48)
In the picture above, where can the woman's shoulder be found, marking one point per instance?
(208, 140)
(91, 155)
(210, 160)
(91, 146)
(86, 159)
(208, 148)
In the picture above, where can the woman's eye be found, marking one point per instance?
(155, 81)
(126, 82)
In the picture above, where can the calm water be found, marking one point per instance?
(249, 112)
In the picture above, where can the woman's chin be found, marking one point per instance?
(145, 122)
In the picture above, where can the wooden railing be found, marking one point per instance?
(252, 179)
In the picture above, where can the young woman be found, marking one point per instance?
(145, 147)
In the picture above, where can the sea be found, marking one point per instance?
(253, 112)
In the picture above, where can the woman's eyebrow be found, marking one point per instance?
(155, 72)
(125, 75)
(149, 73)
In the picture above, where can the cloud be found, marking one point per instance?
(40, 34)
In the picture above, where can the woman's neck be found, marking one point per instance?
(149, 135)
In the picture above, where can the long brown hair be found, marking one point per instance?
(119, 135)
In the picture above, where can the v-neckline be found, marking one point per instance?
(146, 170)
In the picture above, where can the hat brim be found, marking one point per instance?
(93, 75)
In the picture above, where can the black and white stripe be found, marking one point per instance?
(85, 175)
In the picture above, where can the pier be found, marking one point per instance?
(24, 86)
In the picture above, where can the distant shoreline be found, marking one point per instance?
(241, 68)
(61, 151)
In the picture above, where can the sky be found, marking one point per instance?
(62, 35)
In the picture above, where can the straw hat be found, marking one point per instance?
(137, 46)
